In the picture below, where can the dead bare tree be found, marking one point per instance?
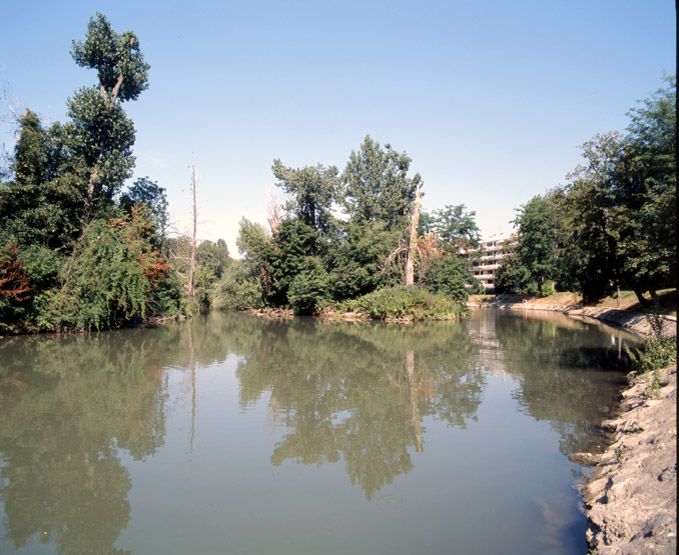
(9, 115)
(412, 241)
(192, 261)
(273, 212)
(417, 249)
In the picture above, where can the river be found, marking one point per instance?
(234, 434)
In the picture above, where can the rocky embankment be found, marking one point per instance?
(631, 500)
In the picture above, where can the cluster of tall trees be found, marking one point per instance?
(77, 249)
(613, 224)
(344, 235)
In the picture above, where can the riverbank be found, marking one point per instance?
(568, 303)
(631, 499)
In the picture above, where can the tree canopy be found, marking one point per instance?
(613, 224)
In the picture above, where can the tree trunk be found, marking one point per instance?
(192, 361)
(640, 295)
(654, 298)
(116, 89)
(412, 242)
(414, 407)
(192, 263)
(92, 180)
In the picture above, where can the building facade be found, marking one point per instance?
(493, 250)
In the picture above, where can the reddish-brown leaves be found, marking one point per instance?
(14, 283)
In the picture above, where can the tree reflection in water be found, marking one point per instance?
(360, 392)
(569, 374)
(73, 408)
(63, 426)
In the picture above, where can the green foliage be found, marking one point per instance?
(547, 289)
(312, 190)
(588, 206)
(535, 252)
(44, 203)
(646, 214)
(116, 58)
(254, 243)
(405, 302)
(30, 158)
(621, 205)
(147, 192)
(238, 289)
(109, 272)
(455, 227)
(295, 242)
(213, 256)
(614, 224)
(654, 354)
(619, 454)
(211, 261)
(313, 258)
(512, 276)
(166, 297)
(309, 287)
(104, 285)
(100, 137)
(376, 185)
(113, 277)
(451, 276)
(42, 266)
(357, 260)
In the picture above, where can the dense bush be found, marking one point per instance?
(113, 277)
(167, 297)
(238, 289)
(308, 290)
(104, 284)
(405, 302)
(451, 275)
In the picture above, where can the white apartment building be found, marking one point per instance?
(493, 250)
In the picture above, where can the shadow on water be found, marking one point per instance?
(570, 374)
(353, 393)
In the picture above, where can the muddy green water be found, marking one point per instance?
(232, 434)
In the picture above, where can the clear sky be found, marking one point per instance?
(489, 98)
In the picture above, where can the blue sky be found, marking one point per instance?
(490, 98)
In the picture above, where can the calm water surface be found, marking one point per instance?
(231, 434)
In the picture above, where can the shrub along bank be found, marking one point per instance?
(404, 303)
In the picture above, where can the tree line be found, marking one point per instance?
(612, 225)
(80, 250)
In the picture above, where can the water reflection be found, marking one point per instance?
(360, 395)
(564, 371)
(61, 433)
